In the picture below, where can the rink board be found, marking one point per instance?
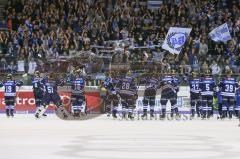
(25, 102)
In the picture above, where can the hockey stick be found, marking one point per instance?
(18, 91)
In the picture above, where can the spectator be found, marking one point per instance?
(21, 65)
(11, 68)
(45, 30)
(32, 65)
(3, 65)
(216, 70)
(203, 48)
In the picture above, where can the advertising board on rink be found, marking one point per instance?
(25, 102)
(183, 100)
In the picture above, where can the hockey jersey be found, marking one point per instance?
(238, 99)
(10, 87)
(169, 83)
(207, 86)
(151, 84)
(37, 84)
(77, 85)
(109, 84)
(228, 86)
(127, 86)
(194, 85)
(51, 86)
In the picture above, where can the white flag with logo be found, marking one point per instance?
(220, 33)
(175, 39)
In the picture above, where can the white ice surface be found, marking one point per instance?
(24, 137)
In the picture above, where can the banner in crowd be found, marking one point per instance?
(25, 102)
(220, 33)
(175, 39)
(154, 4)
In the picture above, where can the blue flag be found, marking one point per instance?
(220, 33)
(175, 39)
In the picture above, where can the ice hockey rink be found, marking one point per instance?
(24, 137)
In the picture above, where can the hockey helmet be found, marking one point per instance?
(78, 72)
(129, 73)
(207, 72)
(9, 76)
(229, 73)
(173, 72)
(108, 74)
(194, 74)
(51, 76)
(37, 74)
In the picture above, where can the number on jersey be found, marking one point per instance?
(229, 88)
(125, 86)
(8, 89)
(50, 90)
(195, 86)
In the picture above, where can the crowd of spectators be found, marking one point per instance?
(39, 30)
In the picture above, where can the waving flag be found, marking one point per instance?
(220, 33)
(175, 39)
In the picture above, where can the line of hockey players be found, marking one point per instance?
(204, 89)
(45, 90)
(124, 90)
(202, 92)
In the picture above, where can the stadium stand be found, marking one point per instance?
(39, 34)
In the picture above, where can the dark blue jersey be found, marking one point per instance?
(169, 83)
(194, 85)
(37, 84)
(51, 86)
(127, 86)
(167, 80)
(176, 83)
(238, 98)
(228, 86)
(78, 85)
(207, 86)
(151, 83)
(10, 87)
(110, 85)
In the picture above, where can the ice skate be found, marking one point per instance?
(144, 116)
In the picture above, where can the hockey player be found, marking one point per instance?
(127, 89)
(38, 90)
(112, 97)
(207, 87)
(195, 98)
(219, 102)
(237, 108)
(228, 86)
(151, 85)
(169, 86)
(51, 95)
(10, 93)
(78, 94)
(176, 83)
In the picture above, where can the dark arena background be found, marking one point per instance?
(119, 79)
